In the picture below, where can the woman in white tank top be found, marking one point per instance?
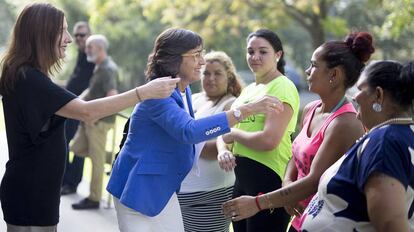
(207, 186)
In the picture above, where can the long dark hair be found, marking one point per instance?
(276, 43)
(33, 43)
(165, 59)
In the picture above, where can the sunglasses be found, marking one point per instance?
(79, 35)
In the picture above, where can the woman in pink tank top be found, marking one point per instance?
(307, 144)
(329, 128)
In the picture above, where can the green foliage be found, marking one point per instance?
(6, 22)
(374, 16)
(225, 24)
(132, 26)
(75, 10)
(400, 17)
(131, 35)
(336, 26)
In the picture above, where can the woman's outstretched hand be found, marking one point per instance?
(267, 104)
(158, 88)
(240, 208)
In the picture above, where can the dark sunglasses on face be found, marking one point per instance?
(79, 35)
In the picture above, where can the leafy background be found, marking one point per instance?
(132, 26)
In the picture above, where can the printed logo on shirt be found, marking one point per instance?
(315, 207)
(251, 118)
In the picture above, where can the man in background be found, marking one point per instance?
(78, 82)
(90, 139)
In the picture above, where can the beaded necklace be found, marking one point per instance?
(406, 120)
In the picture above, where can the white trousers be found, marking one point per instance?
(169, 220)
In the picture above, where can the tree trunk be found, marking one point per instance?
(312, 22)
(318, 34)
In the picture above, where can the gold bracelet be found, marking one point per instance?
(137, 93)
(269, 203)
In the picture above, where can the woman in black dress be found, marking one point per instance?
(35, 110)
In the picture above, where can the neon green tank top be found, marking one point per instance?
(284, 89)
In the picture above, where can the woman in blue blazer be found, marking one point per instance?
(159, 150)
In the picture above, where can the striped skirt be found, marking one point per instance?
(202, 210)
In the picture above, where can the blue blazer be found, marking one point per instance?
(159, 152)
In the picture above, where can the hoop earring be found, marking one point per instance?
(377, 107)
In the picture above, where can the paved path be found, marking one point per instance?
(102, 220)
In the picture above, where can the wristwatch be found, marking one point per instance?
(237, 114)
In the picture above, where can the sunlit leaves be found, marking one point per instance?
(400, 17)
(336, 26)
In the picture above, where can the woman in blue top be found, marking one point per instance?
(371, 187)
(159, 150)
(35, 111)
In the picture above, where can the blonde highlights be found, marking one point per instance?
(234, 82)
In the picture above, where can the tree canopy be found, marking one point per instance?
(132, 26)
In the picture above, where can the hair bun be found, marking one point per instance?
(361, 45)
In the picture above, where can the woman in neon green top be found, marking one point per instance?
(262, 145)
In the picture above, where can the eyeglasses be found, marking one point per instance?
(79, 35)
(197, 55)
